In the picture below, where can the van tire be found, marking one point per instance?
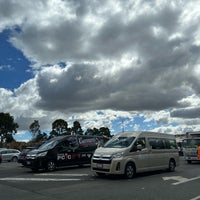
(130, 170)
(172, 165)
(51, 166)
(99, 174)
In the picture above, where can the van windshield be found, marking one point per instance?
(119, 142)
(191, 143)
(48, 145)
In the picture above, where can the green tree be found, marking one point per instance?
(7, 128)
(89, 131)
(41, 137)
(35, 128)
(104, 131)
(96, 131)
(59, 127)
(76, 129)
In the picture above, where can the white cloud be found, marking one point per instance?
(128, 56)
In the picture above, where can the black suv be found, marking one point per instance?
(63, 151)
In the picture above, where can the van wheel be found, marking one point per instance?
(100, 174)
(51, 166)
(130, 170)
(189, 161)
(172, 165)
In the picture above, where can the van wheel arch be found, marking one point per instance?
(130, 170)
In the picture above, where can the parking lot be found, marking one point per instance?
(17, 182)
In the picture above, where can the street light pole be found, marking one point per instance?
(122, 125)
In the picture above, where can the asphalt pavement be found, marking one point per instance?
(20, 183)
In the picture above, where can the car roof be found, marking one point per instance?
(8, 149)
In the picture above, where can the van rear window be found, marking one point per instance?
(162, 143)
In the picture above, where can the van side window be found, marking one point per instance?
(63, 146)
(170, 144)
(156, 143)
(141, 142)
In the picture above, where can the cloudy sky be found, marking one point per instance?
(124, 64)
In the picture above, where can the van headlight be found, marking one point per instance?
(118, 155)
(42, 154)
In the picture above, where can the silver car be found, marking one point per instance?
(9, 155)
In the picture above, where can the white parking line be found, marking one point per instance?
(53, 174)
(196, 198)
(180, 179)
(38, 179)
(47, 175)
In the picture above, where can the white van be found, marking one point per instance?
(131, 152)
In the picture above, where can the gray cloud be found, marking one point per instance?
(189, 113)
(122, 55)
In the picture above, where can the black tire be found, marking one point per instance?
(100, 174)
(189, 161)
(130, 170)
(172, 165)
(51, 166)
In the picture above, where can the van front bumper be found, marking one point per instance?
(115, 166)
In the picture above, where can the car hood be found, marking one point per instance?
(109, 151)
(34, 152)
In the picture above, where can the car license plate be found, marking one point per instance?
(100, 166)
(28, 162)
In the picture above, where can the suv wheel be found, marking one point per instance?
(51, 166)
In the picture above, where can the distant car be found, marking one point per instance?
(1, 155)
(9, 154)
(22, 155)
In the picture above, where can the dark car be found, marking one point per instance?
(22, 155)
(63, 151)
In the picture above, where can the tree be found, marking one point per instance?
(76, 129)
(41, 137)
(35, 128)
(104, 131)
(59, 127)
(89, 131)
(96, 131)
(7, 127)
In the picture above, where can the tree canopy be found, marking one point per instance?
(59, 127)
(35, 128)
(7, 127)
